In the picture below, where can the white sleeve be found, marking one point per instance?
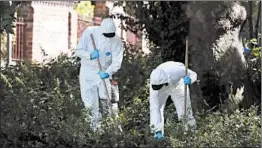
(192, 75)
(155, 111)
(81, 49)
(117, 58)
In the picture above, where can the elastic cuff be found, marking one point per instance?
(110, 74)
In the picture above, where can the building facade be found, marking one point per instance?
(45, 29)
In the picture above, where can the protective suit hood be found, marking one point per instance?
(158, 76)
(108, 26)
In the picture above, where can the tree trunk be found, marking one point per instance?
(258, 19)
(0, 51)
(250, 20)
(7, 49)
(217, 54)
(0, 48)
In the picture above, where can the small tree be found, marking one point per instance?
(85, 8)
(7, 18)
(215, 49)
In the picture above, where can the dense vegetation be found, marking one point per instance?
(41, 104)
(214, 51)
(41, 107)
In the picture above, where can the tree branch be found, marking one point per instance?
(250, 8)
(258, 19)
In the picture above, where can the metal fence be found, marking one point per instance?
(19, 40)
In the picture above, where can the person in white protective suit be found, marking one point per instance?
(168, 79)
(110, 53)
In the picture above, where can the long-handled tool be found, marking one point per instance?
(104, 82)
(186, 73)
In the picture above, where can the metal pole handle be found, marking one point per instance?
(104, 82)
(186, 73)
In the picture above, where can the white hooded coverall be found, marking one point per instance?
(172, 73)
(91, 85)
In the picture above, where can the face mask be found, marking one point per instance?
(109, 35)
(158, 87)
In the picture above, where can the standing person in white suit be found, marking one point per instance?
(168, 79)
(110, 53)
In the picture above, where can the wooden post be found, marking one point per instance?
(186, 73)
(1, 44)
(104, 82)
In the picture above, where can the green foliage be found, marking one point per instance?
(254, 66)
(37, 104)
(167, 25)
(3, 50)
(253, 45)
(239, 129)
(137, 66)
(165, 22)
(85, 8)
(41, 107)
(7, 18)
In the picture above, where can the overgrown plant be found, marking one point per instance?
(41, 107)
(253, 57)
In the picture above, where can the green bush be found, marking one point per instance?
(239, 129)
(41, 107)
(254, 67)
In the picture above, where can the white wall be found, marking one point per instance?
(50, 30)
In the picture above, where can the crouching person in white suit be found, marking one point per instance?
(168, 79)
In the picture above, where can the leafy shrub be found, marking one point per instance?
(254, 67)
(240, 129)
(135, 70)
(41, 107)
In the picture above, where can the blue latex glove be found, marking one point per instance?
(94, 54)
(246, 50)
(187, 80)
(103, 75)
(159, 136)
